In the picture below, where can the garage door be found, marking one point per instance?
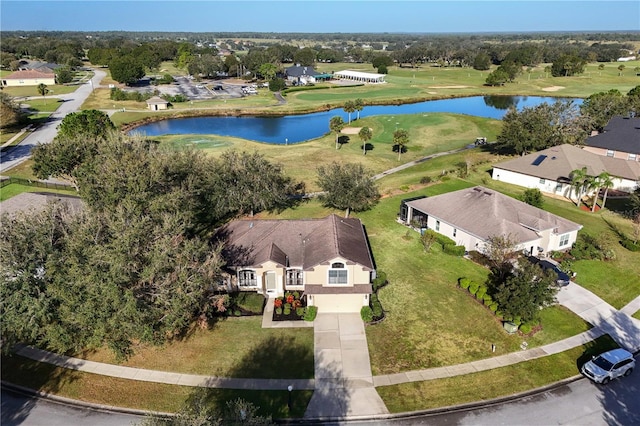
(343, 303)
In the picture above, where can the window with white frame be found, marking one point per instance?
(558, 187)
(542, 181)
(564, 240)
(455, 231)
(610, 153)
(247, 278)
(437, 225)
(633, 157)
(338, 274)
(294, 277)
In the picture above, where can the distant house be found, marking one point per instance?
(45, 67)
(28, 78)
(327, 259)
(157, 103)
(364, 77)
(301, 75)
(620, 139)
(550, 170)
(471, 216)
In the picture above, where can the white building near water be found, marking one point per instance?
(364, 77)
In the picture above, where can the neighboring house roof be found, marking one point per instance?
(46, 67)
(28, 75)
(483, 213)
(299, 71)
(620, 134)
(557, 163)
(156, 100)
(302, 243)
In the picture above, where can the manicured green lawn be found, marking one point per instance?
(234, 347)
(490, 384)
(14, 189)
(56, 89)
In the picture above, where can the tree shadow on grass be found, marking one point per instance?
(342, 140)
(367, 147)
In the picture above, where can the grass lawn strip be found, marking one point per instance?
(490, 384)
(136, 394)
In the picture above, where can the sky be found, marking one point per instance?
(327, 16)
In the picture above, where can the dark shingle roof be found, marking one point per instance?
(298, 71)
(302, 243)
(620, 134)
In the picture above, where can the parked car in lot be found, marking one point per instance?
(609, 365)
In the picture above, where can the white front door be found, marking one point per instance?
(270, 282)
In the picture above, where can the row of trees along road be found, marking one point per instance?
(137, 264)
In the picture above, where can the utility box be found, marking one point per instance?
(510, 327)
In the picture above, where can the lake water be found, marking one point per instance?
(299, 128)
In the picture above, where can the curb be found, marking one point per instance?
(25, 391)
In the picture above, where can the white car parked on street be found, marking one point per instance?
(609, 365)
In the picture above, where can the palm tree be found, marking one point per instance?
(578, 180)
(400, 139)
(365, 135)
(359, 105)
(42, 89)
(606, 182)
(593, 183)
(349, 107)
(335, 125)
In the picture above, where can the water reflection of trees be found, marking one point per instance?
(501, 102)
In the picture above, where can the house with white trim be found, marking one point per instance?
(471, 216)
(28, 78)
(328, 260)
(550, 170)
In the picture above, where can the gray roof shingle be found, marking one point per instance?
(620, 134)
(483, 212)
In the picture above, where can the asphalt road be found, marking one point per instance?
(72, 102)
(578, 403)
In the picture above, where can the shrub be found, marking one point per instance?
(425, 179)
(300, 312)
(443, 240)
(473, 288)
(366, 313)
(586, 247)
(482, 290)
(287, 305)
(377, 309)
(499, 314)
(310, 313)
(296, 295)
(454, 250)
(493, 307)
(279, 311)
(380, 280)
(286, 310)
(487, 299)
(237, 313)
(526, 328)
(630, 245)
(464, 282)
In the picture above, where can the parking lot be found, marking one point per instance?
(195, 90)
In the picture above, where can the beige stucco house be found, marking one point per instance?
(28, 78)
(327, 259)
(471, 216)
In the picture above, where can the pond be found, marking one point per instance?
(299, 128)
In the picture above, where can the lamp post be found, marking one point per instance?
(289, 388)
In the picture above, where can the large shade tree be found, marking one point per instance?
(347, 187)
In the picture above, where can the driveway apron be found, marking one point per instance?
(343, 379)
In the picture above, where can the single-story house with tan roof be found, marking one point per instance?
(327, 259)
(156, 103)
(550, 170)
(28, 78)
(471, 216)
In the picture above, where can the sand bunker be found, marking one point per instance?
(552, 88)
(351, 130)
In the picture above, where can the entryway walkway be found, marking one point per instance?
(343, 380)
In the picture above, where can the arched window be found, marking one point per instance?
(338, 274)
